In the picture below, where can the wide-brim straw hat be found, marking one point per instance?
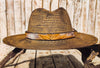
(44, 22)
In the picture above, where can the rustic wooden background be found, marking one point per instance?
(15, 14)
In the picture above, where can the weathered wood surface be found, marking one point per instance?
(70, 8)
(91, 19)
(77, 15)
(6, 25)
(64, 59)
(43, 59)
(47, 59)
(15, 14)
(84, 15)
(97, 22)
(26, 59)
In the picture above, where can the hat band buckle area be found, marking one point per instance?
(49, 36)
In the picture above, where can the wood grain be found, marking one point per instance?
(28, 11)
(46, 4)
(26, 60)
(70, 8)
(23, 15)
(54, 5)
(44, 59)
(75, 53)
(10, 17)
(17, 14)
(77, 15)
(91, 19)
(62, 3)
(37, 4)
(62, 59)
(3, 24)
(84, 16)
(97, 23)
(4, 49)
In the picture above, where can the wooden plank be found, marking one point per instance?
(36, 4)
(75, 53)
(58, 52)
(10, 17)
(12, 65)
(26, 60)
(17, 14)
(32, 5)
(4, 49)
(28, 10)
(41, 53)
(77, 15)
(91, 19)
(44, 59)
(84, 16)
(70, 9)
(54, 5)
(62, 3)
(23, 15)
(3, 28)
(97, 26)
(61, 58)
(46, 4)
(75, 62)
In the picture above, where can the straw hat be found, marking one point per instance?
(50, 30)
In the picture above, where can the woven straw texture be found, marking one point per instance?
(44, 21)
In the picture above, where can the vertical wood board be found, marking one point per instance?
(91, 17)
(3, 24)
(62, 3)
(77, 15)
(54, 5)
(37, 4)
(70, 9)
(28, 10)
(17, 14)
(46, 4)
(84, 16)
(97, 23)
(10, 17)
(23, 15)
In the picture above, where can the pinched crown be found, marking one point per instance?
(44, 21)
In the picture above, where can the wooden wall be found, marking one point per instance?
(15, 14)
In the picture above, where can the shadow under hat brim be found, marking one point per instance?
(80, 40)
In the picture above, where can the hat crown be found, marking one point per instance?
(44, 21)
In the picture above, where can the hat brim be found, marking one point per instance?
(80, 40)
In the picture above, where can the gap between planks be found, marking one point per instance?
(45, 58)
